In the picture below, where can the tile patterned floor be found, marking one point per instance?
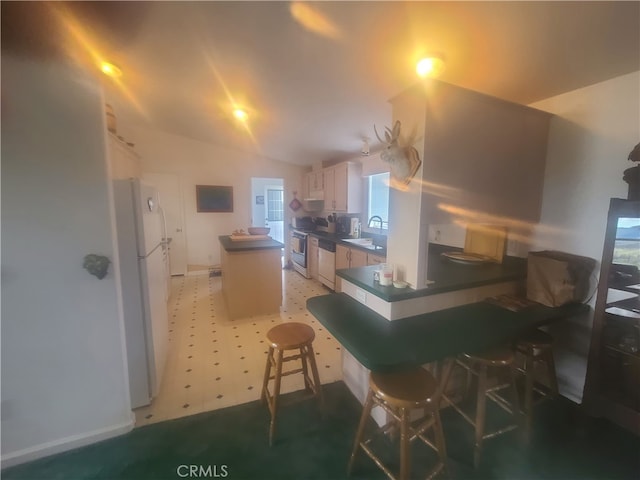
(215, 362)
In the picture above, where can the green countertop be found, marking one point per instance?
(384, 345)
(244, 245)
(447, 276)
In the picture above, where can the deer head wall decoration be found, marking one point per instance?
(403, 161)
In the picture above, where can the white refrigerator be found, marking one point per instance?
(142, 252)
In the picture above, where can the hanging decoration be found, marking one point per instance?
(96, 265)
(295, 204)
(403, 161)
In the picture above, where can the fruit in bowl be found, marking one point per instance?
(259, 230)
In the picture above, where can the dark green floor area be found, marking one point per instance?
(232, 443)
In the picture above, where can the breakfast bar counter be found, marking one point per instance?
(381, 345)
(446, 276)
(251, 276)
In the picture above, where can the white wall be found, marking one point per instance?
(591, 136)
(64, 379)
(406, 238)
(199, 163)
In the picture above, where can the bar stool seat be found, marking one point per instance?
(497, 359)
(537, 348)
(283, 337)
(398, 394)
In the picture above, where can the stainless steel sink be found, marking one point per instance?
(360, 241)
(364, 243)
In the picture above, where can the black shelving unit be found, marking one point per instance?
(612, 388)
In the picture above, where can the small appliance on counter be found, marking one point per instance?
(354, 227)
(305, 224)
(322, 224)
(343, 224)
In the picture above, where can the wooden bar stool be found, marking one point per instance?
(398, 394)
(537, 348)
(289, 336)
(499, 360)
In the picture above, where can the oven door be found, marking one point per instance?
(299, 248)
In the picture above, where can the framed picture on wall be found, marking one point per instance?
(259, 199)
(214, 198)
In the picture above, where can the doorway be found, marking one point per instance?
(267, 205)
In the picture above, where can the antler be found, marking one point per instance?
(391, 136)
(395, 134)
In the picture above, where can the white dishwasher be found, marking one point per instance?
(327, 263)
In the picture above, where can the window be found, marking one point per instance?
(378, 199)
(275, 208)
(627, 246)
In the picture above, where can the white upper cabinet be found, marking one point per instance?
(343, 188)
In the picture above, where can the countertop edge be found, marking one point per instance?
(246, 245)
(514, 269)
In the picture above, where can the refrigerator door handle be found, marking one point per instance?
(142, 257)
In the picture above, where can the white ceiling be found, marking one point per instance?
(313, 96)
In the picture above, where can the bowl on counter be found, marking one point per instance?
(258, 230)
(400, 284)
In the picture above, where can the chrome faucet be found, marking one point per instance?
(375, 217)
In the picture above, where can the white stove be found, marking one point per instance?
(299, 244)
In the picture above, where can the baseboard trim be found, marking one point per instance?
(65, 444)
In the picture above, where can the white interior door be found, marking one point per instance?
(267, 208)
(274, 211)
(170, 197)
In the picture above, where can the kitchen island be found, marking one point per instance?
(251, 276)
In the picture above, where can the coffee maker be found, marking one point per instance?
(343, 225)
(354, 227)
(346, 225)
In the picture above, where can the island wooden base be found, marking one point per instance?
(251, 282)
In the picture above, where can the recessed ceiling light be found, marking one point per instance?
(240, 114)
(110, 69)
(430, 66)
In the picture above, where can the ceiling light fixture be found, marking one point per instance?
(240, 114)
(431, 66)
(110, 70)
(365, 147)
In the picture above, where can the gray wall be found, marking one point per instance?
(487, 155)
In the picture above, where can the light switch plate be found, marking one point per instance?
(361, 296)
